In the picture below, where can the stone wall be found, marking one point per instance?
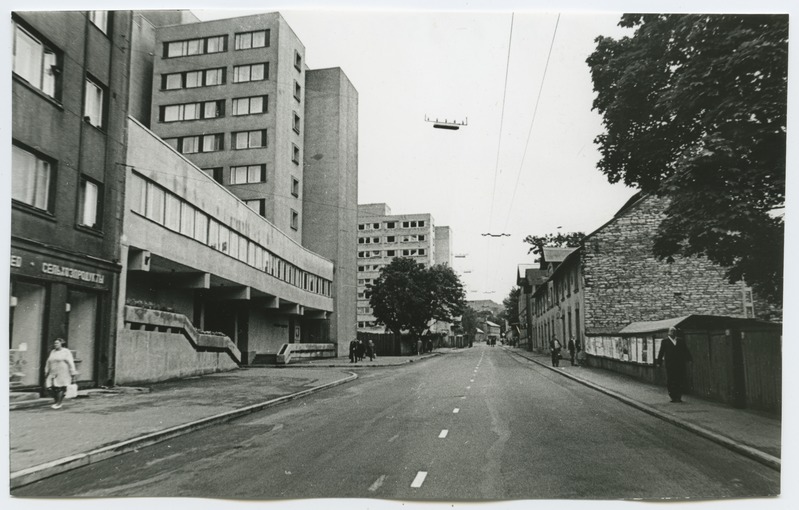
(625, 283)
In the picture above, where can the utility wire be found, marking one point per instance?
(499, 136)
(532, 122)
(501, 124)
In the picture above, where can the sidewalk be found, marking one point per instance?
(100, 424)
(749, 432)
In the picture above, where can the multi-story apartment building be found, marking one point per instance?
(383, 236)
(69, 114)
(228, 96)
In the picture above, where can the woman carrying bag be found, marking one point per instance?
(59, 371)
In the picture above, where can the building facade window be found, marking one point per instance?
(100, 20)
(258, 205)
(248, 40)
(197, 143)
(297, 61)
(247, 174)
(296, 123)
(31, 178)
(188, 47)
(249, 139)
(193, 79)
(36, 62)
(250, 72)
(90, 202)
(215, 173)
(295, 154)
(295, 187)
(297, 91)
(249, 105)
(295, 220)
(193, 111)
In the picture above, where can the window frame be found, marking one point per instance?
(234, 140)
(238, 37)
(50, 88)
(101, 20)
(295, 220)
(82, 203)
(49, 169)
(264, 77)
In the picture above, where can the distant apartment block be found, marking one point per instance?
(383, 236)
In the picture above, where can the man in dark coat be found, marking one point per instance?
(675, 352)
(354, 351)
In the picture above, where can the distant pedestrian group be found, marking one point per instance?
(359, 349)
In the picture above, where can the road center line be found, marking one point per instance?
(443, 434)
(419, 480)
(377, 483)
(393, 438)
(456, 410)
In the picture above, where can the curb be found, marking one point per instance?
(357, 366)
(747, 451)
(33, 474)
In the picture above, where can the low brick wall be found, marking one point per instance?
(152, 356)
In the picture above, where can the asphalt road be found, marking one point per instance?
(480, 424)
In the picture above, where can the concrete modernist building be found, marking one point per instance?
(230, 96)
(330, 189)
(613, 280)
(69, 114)
(92, 230)
(191, 245)
(382, 236)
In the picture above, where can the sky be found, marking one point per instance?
(525, 163)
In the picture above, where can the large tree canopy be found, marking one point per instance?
(694, 109)
(559, 240)
(407, 296)
(510, 306)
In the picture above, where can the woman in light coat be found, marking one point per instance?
(59, 371)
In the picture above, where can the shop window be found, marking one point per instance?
(26, 325)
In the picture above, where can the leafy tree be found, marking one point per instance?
(469, 321)
(694, 109)
(559, 240)
(407, 296)
(510, 312)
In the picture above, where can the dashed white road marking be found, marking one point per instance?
(463, 397)
(456, 410)
(443, 434)
(468, 387)
(377, 483)
(419, 480)
(393, 438)
(471, 380)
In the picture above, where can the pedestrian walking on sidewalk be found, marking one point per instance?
(554, 349)
(572, 348)
(676, 355)
(370, 350)
(59, 371)
(353, 351)
(419, 347)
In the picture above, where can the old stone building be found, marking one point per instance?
(613, 279)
